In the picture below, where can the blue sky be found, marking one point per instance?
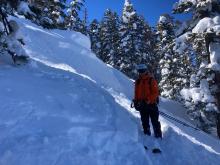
(150, 9)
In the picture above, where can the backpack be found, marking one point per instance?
(150, 85)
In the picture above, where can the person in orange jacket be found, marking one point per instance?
(145, 100)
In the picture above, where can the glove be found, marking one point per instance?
(158, 101)
(136, 104)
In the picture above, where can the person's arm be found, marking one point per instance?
(154, 91)
(135, 90)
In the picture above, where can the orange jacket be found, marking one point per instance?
(146, 89)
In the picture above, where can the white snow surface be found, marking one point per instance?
(1, 27)
(162, 19)
(211, 25)
(215, 56)
(208, 24)
(23, 8)
(68, 108)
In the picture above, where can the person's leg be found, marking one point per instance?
(145, 119)
(218, 125)
(154, 115)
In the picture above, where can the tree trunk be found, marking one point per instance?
(218, 125)
(5, 22)
(217, 81)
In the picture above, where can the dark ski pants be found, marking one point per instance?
(218, 125)
(150, 112)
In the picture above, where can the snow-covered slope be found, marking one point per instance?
(68, 108)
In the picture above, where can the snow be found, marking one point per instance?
(12, 40)
(199, 95)
(127, 3)
(193, 1)
(72, 3)
(162, 19)
(68, 108)
(1, 27)
(204, 86)
(180, 43)
(203, 25)
(211, 25)
(184, 2)
(125, 19)
(207, 24)
(134, 26)
(23, 8)
(60, 19)
(127, 15)
(165, 71)
(215, 56)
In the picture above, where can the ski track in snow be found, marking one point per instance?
(68, 108)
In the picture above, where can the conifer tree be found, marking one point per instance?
(9, 43)
(136, 41)
(166, 35)
(94, 33)
(49, 14)
(203, 33)
(127, 35)
(109, 37)
(73, 20)
(84, 28)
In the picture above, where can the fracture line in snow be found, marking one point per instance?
(40, 30)
(62, 66)
(122, 100)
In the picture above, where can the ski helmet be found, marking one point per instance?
(141, 68)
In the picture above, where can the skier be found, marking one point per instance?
(146, 99)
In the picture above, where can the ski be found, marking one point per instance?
(145, 147)
(156, 151)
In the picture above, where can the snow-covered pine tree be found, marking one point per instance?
(146, 44)
(203, 30)
(3, 31)
(133, 32)
(109, 37)
(10, 44)
(94, 30)
(127, 35)
(165, 44)
(84, 28)
(49, 14)
(23, 8)
(58, 15)
(73, 20)
(175, 66)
